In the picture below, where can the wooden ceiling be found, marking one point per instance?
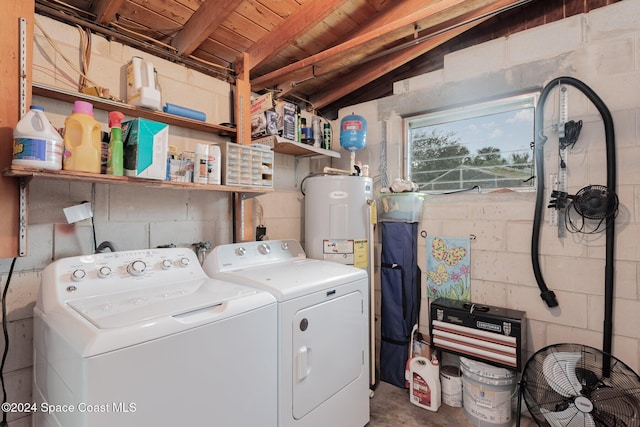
(323, 53)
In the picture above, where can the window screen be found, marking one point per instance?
(488, 145)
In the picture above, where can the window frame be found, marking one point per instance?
(528, 99)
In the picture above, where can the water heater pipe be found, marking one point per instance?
(353, 169)
(328, 169)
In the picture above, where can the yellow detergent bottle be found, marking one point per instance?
(82, 143)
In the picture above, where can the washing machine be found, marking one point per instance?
(146, 338)
(323, 337)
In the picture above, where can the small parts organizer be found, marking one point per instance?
(247, 165)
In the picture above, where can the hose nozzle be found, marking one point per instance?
(549, 298)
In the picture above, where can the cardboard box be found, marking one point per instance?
(145, 148)
(258, 125)
(261, 103)
(286, 120)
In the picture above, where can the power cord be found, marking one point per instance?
(6, 342)
(571, 133)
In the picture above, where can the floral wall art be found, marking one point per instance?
(448, 268)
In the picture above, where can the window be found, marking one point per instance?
(489, 145)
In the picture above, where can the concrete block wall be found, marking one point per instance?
(131, 217)
(601, 49)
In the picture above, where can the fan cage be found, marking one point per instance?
(595, 202)
(615, 400)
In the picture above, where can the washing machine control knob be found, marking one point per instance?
(264, 248)
(241, 251)
(166, 264)
(285, 246)
(184, 262)
(104, 272)
(78, 275)
(137, 268)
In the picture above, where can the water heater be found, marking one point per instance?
(337, 218)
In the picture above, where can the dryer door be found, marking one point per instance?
(329, 345)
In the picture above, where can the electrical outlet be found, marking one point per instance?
(261, 233)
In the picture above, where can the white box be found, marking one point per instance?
(145, 148)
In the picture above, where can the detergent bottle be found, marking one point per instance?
(425, 383)
(82, 140)
(115, 160)
(36, 143)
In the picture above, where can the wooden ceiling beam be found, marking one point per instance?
(474, 12)
(105, 10)
(289, 30)
(202, 23)
(375, 69)
(407, 20)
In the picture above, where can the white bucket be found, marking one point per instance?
(488, 393)
(451, 383)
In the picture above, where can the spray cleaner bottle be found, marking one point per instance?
(116, 151)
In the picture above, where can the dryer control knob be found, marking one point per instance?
(137, 268)
(166, 264)
(78, 275)
(184, 262)
(264, 248)
(241, 251)
(104, 272)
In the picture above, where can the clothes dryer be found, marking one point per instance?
(323, 335)
(145, 338)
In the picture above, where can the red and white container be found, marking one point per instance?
(424, 383)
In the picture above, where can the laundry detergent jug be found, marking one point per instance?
(82, 140)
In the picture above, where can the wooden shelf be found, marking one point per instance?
(286, 146)
(129, 110)
(20, 171)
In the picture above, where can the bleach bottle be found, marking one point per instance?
(424, 390)
(36, 143)
(82, 140)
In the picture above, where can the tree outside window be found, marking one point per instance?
(487, 145)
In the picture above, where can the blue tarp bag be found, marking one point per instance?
(400, 286)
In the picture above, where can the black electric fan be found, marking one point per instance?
(563, 385)
(593, 203)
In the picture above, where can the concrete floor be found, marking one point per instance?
(390, 407)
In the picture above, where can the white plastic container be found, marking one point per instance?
(36, 143)
(142, 89)
(201, 165)
(214, 175)
(488, 393)
(424, 383)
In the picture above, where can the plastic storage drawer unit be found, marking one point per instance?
(247, 165)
